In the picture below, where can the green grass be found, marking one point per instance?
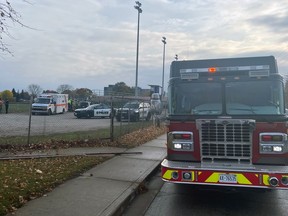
(15, 107)
(76, 135)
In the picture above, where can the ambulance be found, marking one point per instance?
(50, 104)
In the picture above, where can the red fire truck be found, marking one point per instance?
(227, 124)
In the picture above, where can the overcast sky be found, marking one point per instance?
(92, 43)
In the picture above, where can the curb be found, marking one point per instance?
(126, 202)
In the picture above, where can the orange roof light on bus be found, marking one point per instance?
(212, 70)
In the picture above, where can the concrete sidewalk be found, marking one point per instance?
(103, 190)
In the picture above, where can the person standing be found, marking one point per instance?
(1, 104)
(70, 104)
(7, 105)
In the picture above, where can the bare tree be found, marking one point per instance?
(7, 15)
(64, 87)
(34, 90)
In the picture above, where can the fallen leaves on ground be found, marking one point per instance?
(24, 180)
(128, 140)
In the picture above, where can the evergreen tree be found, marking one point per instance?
(14, 93)
(17, 96)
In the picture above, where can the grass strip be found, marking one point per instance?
(24, 180)
(103, 133)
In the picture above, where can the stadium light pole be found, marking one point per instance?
(138, 8)
(164, 44)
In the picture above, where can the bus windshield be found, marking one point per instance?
(231, 98)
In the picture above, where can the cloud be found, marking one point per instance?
(274, 23)
(92, 43)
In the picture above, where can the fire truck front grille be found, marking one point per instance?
(229, 150)
(226, 140)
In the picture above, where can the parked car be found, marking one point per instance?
(84, 104)
(134, 111)
(95, 110)
(156, 105)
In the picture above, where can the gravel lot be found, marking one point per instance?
(18, 124)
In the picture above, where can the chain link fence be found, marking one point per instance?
(20, 129)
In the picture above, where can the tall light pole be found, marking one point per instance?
(138, 8)
(164, 43)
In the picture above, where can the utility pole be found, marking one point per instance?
(138, 8)
(164, 44)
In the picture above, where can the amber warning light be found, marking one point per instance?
(212, 70)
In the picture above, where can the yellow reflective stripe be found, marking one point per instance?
(213, 178)
(265, 180)
(241, 179)
(168, 174)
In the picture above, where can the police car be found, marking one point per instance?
(95, 110)
(134, 111)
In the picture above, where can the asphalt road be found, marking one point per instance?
(18, 124)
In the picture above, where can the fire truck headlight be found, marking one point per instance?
(272, 149)
(277, 149)
(187, 146)
(177, 146)
(273, 143)
(267, 149)
(181, 141)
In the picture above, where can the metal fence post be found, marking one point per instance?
(30, 113)
(112, 122)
